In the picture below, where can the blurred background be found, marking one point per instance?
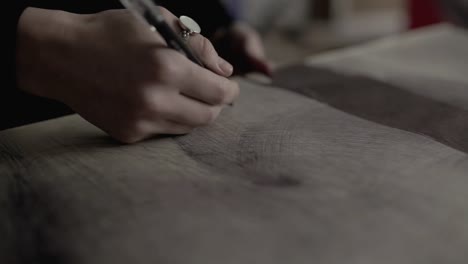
(294, 29)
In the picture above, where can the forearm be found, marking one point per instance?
(18, 105)
(10, 24)
(43, 37)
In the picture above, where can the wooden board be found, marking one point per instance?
(321, 167)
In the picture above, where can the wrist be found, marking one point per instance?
(41, 35)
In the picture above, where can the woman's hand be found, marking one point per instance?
(119, 75)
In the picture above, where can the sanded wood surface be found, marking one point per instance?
(327, 165)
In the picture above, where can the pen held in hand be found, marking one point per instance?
(146, 10)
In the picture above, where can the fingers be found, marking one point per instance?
(172, 95)
(202, 48)
(210, 88)
(183, 77)
(188, 112)
(168, 114)
(205, 50)
(200, 84)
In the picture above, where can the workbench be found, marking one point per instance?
(356, 156)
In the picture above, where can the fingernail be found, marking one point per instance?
(225, 66)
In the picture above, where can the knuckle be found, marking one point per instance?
(226, 91)
(208, 116)
(135, 129)
(205, 48)
(157, 106)
(141, 99)
(167, 69)
(153, 59)
(129, 132)
(153, 103)
(219, 94)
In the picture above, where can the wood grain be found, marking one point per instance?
(285, 176)
(381, 103)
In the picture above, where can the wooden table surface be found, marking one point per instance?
(359, 157)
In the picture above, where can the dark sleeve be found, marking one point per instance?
(210, 14)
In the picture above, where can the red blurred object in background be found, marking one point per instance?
(423, 13)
